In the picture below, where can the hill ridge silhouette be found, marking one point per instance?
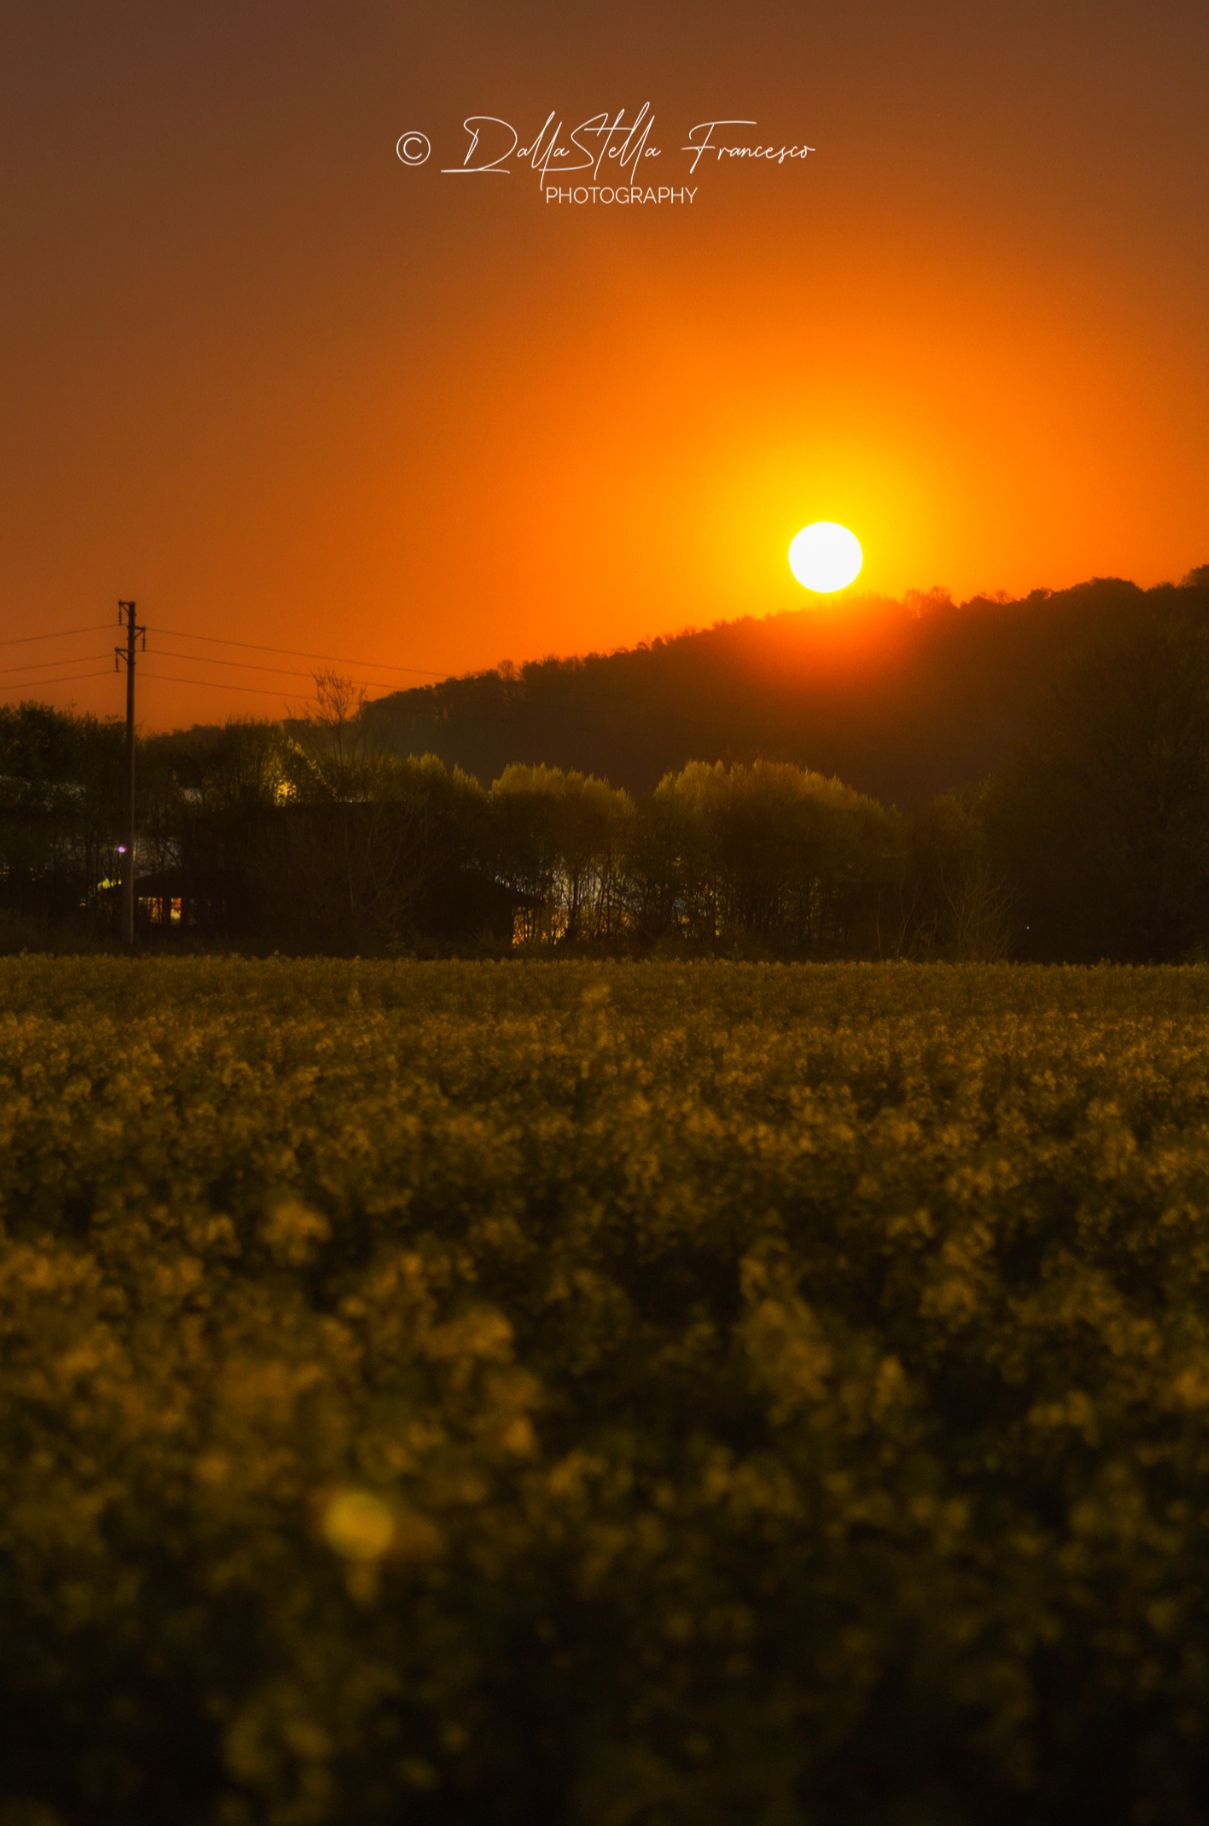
(898, 698)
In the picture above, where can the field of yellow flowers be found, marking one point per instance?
(612, 1395)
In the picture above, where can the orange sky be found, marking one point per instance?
(285, 391)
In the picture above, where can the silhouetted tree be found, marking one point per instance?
(767, 855)
(1103, 821)
(561, 838)
(958, 903)
(59, 794)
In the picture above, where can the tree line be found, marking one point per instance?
(1090, 841)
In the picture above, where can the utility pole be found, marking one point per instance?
(126, 654)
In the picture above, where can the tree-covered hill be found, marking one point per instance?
(900, 699)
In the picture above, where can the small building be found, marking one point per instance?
(162, 898)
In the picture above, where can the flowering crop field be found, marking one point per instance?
(620, 1395)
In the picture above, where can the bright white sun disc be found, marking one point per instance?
(824, 556)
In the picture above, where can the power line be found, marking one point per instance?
(536, 700)
(335, 659)
(476, 714)
(23, 684)
(213, 684)
(542, 700)
(75, 659)
(548, 704)
(21, 640)
(206, 684)
(245, 665)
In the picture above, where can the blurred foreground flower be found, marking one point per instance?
(358, 1525)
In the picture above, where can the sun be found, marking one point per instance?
(825, 557)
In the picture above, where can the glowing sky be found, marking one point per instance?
(283, 390)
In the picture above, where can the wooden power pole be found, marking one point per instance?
(126, 654)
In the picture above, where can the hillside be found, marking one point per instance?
(900, 699)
